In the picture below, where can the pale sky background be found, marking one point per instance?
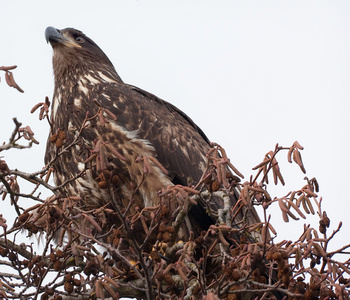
(250, 73)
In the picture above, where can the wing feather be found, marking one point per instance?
(180, 144)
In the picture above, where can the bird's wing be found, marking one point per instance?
(180, 145)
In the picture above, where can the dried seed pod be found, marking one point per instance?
(112, 115)
(170, 229)
(325, 221)
(4, 251)
(23, 217)
(115, 180)
(8, 79)
(297, 209)
(35, 107)
(169, 280)
(11, 81)
(234, 169)
(236, 275)
(47, 101)
(60, 253)
(68, 287)
(322, 229)
(158, 164)
(68, 277)
(3, 166)
(298, 160)
(53, 138)
(59, 143)
(207, 179)
(315, 183)
(283, 205)
(3, 68)
(99, 289)
(159, 236)
(296, 144)
(293, 216)
(285, 217)
(277, 173)
(166, 237)
(280, 177)
(53, 257)
(114, 151)
(50, 292)
(102, 119)
(274, 173)
(41, 113)
(111, 292)
(57, 265)
(76, 282)
(309, 192)
(318, 250)
(265, 174)
(285, 279)
(12, 256)
(262, 164)
(289, 154)
(44, 296)
(15, 85)
(155, 256)
(271, 228)
(62, 135)
(306, 208)
(91, 267)
(215, 186)
(103, 184)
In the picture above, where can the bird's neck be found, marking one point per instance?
(72, 76)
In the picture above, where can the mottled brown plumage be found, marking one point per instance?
(145, 126)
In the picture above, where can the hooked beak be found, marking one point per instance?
(55, 37)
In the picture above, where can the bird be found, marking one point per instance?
(112, 143)
(118, 135)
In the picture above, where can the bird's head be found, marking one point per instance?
(73, 51)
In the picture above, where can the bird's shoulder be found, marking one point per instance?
(140, 106)
(181, 146)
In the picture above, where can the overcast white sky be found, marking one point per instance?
(250, 73)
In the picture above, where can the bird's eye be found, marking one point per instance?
(79, 39)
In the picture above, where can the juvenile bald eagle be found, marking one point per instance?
(132, 124)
